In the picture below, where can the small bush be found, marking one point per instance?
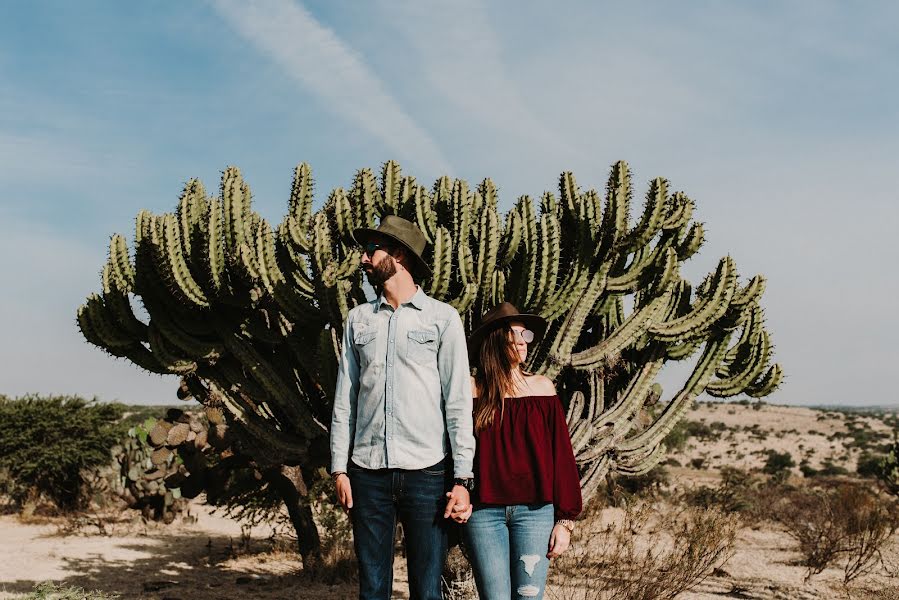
(778, 465)
(868, 465)
(847, 522)
(650, 484)
(738, 492)
(606, 563)
(829, 469)
(49, 446)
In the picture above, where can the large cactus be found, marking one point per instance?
(250, 315)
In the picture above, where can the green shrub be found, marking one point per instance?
(807, 470)
(829, 469)
(778, 464)
(49, 444)
(649, 484)
(735, 493)
(868, 465)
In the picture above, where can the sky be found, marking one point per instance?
(779, 119)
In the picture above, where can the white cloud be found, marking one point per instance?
(461, 58)
(319, 60)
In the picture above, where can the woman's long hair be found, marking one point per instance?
(495, 376)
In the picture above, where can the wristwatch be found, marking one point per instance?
(567, 524)
(466, 482)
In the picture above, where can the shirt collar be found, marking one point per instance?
(417, 300)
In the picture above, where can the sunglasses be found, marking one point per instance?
(372, 247)
(525, 334)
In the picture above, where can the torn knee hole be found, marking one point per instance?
(530, 561)
(528, 591)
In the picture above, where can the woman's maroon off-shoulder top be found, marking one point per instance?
(525, 457)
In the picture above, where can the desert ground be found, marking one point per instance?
(210, 556)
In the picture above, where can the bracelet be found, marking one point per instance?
(567, 524)
(337, 474)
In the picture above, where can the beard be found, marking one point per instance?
(380, 273)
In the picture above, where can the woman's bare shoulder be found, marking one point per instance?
(542, 385)
(474, 387)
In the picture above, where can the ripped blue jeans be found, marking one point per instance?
(507, 546)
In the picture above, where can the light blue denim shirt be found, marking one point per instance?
(403, 397)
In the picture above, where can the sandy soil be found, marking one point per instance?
(211, 558)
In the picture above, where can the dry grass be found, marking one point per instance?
(846, 522)
(639, 553)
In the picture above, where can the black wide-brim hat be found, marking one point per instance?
(405, 233)
(498, 316)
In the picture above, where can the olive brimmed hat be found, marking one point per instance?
(499, 316)
(405, 233)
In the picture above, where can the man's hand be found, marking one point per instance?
(459, 505)
(344, 491)
(559, 541)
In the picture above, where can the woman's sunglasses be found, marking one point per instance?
(526, 334)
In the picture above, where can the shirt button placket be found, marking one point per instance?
(388, 408)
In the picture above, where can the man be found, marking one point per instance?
(402, 445)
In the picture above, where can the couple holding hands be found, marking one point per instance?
(415, 438)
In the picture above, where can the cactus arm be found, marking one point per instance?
(214, 254)
(615, 216)
(97, 319)
(692, 242)
(674, 411)
(756, 363)
(440, 266)
(526, 273)
(749, 294)
(767, 384)
(653, 214)
(391, 180)
(120, 263)
(706, 310)
(262, 372)
(549, 249)
(680, 211)
(235, 209)
(424, 215)
(511, 239)
(167, 355)
(633, 328)
(171, 263)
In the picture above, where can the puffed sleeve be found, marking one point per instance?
(566, 481)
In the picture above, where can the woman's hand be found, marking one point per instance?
(559, 541)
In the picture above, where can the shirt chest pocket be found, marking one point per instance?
(421, 346)
(365, 342)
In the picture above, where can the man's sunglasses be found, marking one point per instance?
(526, 334)
(372, 247)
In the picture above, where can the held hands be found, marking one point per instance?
(459, 505)
(559, 541)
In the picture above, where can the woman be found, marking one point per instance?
(527, 488)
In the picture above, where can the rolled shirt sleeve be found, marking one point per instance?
(343, 416)
(455, 383)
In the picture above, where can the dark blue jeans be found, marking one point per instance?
(417, 499)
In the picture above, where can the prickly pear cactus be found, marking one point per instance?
(250, 315)
(145, 473)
